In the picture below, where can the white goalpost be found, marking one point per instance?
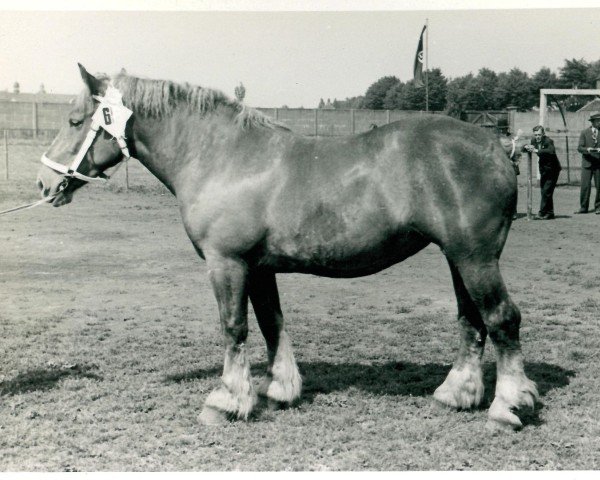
(544, 92)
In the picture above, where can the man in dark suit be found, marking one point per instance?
(590, 165)
(550, 168)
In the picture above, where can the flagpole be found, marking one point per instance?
(426, 64)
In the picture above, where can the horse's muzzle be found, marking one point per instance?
(53, 188)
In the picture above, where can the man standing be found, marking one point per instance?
(590, 165)
(550, 168)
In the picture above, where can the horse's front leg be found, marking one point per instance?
(235, 397)
(283, 383)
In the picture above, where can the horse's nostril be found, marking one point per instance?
(45, 191)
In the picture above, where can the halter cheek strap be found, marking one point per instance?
(112, 116)
(514, 147)
(514, 144)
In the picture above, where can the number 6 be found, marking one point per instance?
(107, 115)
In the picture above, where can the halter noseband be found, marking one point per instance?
(110, 115)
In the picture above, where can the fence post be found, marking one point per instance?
(35, 119)
(316, 122)
(126, 175)
(568, 160)
(6, 154)
(388, 116)
(529, 184)
(276, 114)
(352, 123)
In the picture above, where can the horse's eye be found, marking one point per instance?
(75, 123)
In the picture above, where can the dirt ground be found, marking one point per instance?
(110, 342)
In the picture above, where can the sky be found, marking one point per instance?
(285, 53)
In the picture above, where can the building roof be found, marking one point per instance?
(35, 97)
(592, 106)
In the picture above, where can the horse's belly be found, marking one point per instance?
(348, 229)
(350, 257)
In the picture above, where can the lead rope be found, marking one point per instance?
(34, 204)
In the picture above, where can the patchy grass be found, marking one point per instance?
(110, 344)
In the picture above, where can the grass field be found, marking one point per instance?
(110, 342)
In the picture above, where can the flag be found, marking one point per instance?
(419, 58)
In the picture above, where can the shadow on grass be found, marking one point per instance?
(42, 379)
(401, 379)
(524, 215)
(413, 379)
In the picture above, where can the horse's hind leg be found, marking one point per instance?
(463, 387)
(502, 319)
(235, 397)
(282, 384)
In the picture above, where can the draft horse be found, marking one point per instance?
(257, 199)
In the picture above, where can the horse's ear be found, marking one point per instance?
(92, 82)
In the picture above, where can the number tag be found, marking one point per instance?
(107, 113)
(112, 118)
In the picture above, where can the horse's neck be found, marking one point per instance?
(166, 146)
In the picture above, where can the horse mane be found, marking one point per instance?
(159, 98)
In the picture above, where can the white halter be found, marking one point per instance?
(514, 144)
(112, 116)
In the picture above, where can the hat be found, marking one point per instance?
(595, 116)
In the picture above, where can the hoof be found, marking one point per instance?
(512, 394)
(211, 416)
(444, 397)
(277, 395)
(528, 395)
(501, 417)
(460, 392)
(493, 426)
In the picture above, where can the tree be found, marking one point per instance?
(515, 88)
(375, 95)
(593, 73)
(414, 98)
(352, 102)
(321, 104)
(577, 74)
(458, 94)
(574, 74)
(482, 90)
(240, 92)
(393, 97)
(543, 78)
(438, 90)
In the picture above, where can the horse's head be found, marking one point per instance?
(85, 146)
